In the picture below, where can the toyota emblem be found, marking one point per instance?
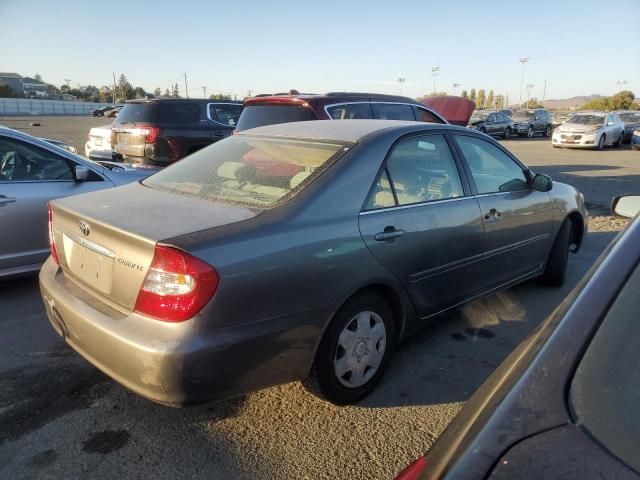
(84, 228)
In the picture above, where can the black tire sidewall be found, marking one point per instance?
(328, 383)
(530, 132)
(601, 142)
(507, 133)
(556, 269)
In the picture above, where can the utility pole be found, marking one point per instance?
(522, 60)
(114, 88)
(621, 83)
(401, 81)
(455, 88)
(544, 92)
(186, 88)
(434, 74)
(204, 92)
(249, 92)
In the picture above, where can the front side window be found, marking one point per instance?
(20, 161)
(492, 170)
(392, 111)
(350, 111)
(251, 171)
(420, 169)
(491, 118)
(227, 114)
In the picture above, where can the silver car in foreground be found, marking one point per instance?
(589, 130)
(33, 172)
(298, 251)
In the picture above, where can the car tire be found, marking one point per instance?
(547, 131)
(507, 133)
(530, 132)
(365, 351)
(601, 142)
(555, 271)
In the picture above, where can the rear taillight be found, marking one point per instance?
(150, 132)
(414, 470)
(52, 240)
(177, 286)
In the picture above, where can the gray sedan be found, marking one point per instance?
(300, 251)
(32, 172)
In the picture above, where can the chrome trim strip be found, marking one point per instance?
(91, 245)
(430, 110)
(413, 205)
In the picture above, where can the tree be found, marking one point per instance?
(175, 93)
(167, 93)
(472, 95)
(490, 100)
(480, 99)
(6, 91)
(157, 92)
(52, 89)
(620, 101)
(37, 77)
(464, 94)
(220, 96)
(532, 103)
(499, 102)
(105, 95)
(139, 92)
(65, 88)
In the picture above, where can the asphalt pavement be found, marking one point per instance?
(61, 418)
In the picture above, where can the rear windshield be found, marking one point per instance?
(251, 171)
(525, 115)
(630, 117)
(260, 115)
(160, 112)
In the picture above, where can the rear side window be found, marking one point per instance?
(350, 111)
(227, 114)
(423, 115)
(392, 111)
(259, 115)
(247, 170)
(160, 112)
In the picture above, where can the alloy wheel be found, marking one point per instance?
(530, 132)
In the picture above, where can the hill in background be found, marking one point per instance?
(573, 103)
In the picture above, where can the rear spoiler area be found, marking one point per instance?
(456, 110)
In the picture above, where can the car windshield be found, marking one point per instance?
(526, 115)
(630, 117)
(605, 391)
(587, 119)
(249, 170)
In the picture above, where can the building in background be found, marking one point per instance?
(34, 88)
(14, 82)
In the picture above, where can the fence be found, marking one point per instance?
(25, 106)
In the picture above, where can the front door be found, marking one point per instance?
(518, 220)
(422, 225)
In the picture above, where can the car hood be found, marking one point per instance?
(578, 127)
(127, 174)
(456, 110)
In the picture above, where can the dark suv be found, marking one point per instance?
(529, 122)
(295, 107)
(161, 131)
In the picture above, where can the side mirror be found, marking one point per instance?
(81, 173)
(626, 206)
(542, 182)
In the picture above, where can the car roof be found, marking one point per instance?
(338, 130)
(331, 97)
(198, 100)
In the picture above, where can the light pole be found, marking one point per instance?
(529, 88)
(434, 74)
(621, 83)
(401, 81)
(455, 88)
(204, 92)
(522, 60)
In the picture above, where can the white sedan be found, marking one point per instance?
(589, 130)
(98, 146)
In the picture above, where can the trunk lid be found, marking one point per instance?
(128, 140)
(456, 110)
(106, 240)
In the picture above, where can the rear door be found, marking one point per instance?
(223, 118)
(518, 220)
(492, 124)
(422, 225)
(30, 176)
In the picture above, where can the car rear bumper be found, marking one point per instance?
(176, 363)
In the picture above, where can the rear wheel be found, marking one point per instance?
(547, 131)
(507, 132)
(556, 270)
(354, 351)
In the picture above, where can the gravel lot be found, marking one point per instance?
(60, 418)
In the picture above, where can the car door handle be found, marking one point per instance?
(4, 200)
(493, 213)
(389, 234)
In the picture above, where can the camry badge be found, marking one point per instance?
(84, 228)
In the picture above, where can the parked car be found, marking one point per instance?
(63, 145)
(491, 123)
(635, 140)
(162, 131)
(98, 146)
(281, 108)
(32, 172)
(563, 405)
(558, 118)
(631, 120)
(99, 112)
(529, 122)
(112, 113)
(589, 130)
(225, 279)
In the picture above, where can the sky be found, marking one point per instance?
(578, 47)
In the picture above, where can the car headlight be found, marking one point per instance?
(637, 133)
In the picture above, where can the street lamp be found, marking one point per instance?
(401, 81)
(522, 60)
(455, 88)
(434, 74)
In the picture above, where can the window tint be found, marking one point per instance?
(501, 117)
(351, 111)
(259, 115)
(492, 118)
(172, 112)
(423, 115)
(382, 195)
(491, 168)
(392, 111)
(21, 161)
(227, 114)
(422, 169)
